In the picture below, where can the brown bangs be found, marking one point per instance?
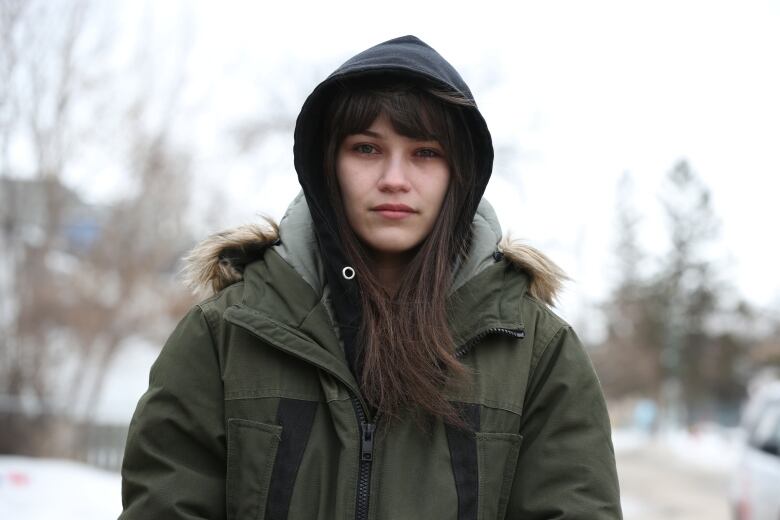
(412, 111)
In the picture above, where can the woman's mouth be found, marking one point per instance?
(393, 211)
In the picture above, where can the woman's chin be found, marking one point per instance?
(388, 249)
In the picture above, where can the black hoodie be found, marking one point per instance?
(406, 57)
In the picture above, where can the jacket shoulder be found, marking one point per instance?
(543, 280)
(542, 325)
(215, 305)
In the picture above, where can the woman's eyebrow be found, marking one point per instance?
(369, 133)
(379, 135)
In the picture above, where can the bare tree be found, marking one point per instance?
(70, 299)
(629, 358)
(687, 288)
(670, 335)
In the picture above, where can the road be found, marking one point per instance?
(655, 485)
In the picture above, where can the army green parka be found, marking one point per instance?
(252, 411)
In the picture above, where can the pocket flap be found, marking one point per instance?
(251, 451)
(497, 455)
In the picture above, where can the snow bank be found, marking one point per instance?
(629, 439)
(708, 447)
(42, 489)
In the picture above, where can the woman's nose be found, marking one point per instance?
(395, 175)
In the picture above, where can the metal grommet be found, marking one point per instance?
(348, 273)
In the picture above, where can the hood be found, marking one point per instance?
(405, 57)
(220, 260)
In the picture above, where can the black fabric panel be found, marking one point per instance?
(296, 418)
(463, 453)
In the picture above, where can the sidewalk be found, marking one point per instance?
(656, 484)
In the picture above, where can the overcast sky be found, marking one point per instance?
(575, 94)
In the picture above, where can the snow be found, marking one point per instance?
(676, 473)
(707, 447)
(628, 439)
(41, 489)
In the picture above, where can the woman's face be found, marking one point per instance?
(392, 187)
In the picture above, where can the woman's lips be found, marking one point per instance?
(393, 211)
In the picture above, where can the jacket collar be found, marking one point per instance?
(222, 258)
(299, 245)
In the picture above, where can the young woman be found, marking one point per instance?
(382, 353)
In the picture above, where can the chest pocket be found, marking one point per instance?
(263, 461)
(251, 452)
(497, 460)
(483, 466)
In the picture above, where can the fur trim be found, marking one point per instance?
(219, 261)
(546, 277)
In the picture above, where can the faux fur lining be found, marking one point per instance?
(546, 276)
(219, 261)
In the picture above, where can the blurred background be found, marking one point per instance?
(637, 144)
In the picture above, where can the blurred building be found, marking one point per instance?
(31, 207)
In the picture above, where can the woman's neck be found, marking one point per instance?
(389, 269)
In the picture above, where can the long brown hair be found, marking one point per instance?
(407, 358)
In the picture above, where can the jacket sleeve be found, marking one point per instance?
(566, 466)
(174, 464)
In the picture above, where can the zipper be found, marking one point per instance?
(367, 434)
(518, 333)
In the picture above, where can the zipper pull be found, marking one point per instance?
(367, 441)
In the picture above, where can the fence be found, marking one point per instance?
(57, 436)
(101, 445)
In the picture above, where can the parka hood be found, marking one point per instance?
(406, 58)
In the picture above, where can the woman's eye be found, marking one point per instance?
(428, 152)
(364, 148)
